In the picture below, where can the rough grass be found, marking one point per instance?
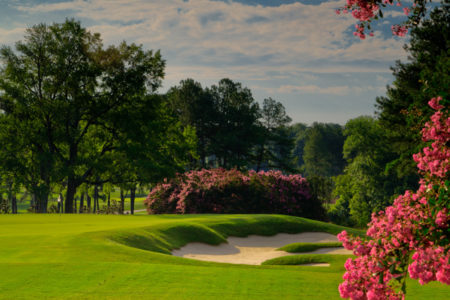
(125, 257)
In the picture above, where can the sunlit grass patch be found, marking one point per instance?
(308, 247)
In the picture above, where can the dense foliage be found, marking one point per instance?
(364, 187)
(233, 130)
(379, 152)
(74, 113)
(231, 191)
(322, 153)
(404, 110)
(412, 235)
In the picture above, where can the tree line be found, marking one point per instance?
(77, 118)
(77, 113)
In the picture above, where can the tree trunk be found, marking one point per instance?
(3, 205)
(122, 202)
(88, 200)
(33, 202)
(60, 203)
(95, 197)
(14, 204)
(81, 203)
(41, 200)
(109, 200)
(75, 204)
(43, 203)
(37, 204)
(70, 195)
(98, 198)
(12, 199)
(132, 197)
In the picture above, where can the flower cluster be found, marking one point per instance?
(399, 30)
(411, 236)
(434, 160)
(367, 10)
(232, 191)
(430, 264)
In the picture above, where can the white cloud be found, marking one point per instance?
(394, 14)
(341, 90)
(272, 49)
(8, 37)
(383, 79)
(314, 89)
(288, 34)
(50, 7)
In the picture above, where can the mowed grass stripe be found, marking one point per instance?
(154, 281)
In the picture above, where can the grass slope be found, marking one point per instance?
(307, 247)
(125, 257)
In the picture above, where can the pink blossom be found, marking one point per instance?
(442, 218)
(434, 103)
(399, 30)
(412, 227)
(209, 191)
(367, 10)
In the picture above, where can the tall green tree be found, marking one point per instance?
(152, 145)
(29, 83)
(194, 107)
(231, 129)
(274, 149)
(298, 132)
(11, 163)
(62, 94)
(364, 187)
(322, 153)
(237, 114)
(404, 110)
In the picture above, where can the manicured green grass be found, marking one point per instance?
(307, 247)
(138, 203)
(124, 257)
(335, 261)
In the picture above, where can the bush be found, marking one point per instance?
(231, 191)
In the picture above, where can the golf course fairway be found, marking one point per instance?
(128, 257)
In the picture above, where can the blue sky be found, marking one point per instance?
(298, 52)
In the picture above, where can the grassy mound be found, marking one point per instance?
(308, 247)
(335, 261)
(215, 229)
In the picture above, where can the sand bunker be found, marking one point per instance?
(254, 249)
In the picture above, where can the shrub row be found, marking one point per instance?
(232, 191)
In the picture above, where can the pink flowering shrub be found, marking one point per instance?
(367, 10)
(412, 235)
(231, 191)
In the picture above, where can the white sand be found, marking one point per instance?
(254, 249)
